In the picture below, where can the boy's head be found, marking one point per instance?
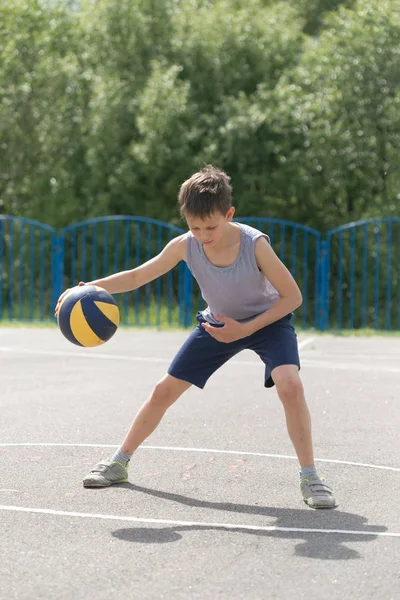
(206, 193)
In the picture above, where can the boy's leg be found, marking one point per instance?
(298, 420)
(276, 345)
(290, 391)
(199, 357)
(165, 393)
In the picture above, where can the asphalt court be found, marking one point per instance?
(213, 508)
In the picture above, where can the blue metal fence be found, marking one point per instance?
(299, 248)
(95, 248)
(349, 279)
(27, 269)
(363, 275)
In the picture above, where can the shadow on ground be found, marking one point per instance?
(313, 544)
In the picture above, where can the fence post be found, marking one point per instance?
(57, 267)
(324, 286)
(187, 297)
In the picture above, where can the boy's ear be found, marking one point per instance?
(230, 213)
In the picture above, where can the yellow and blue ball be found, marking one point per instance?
(88, 316)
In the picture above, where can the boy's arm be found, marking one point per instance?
(289, 292)
(125, 281)
(282, 280)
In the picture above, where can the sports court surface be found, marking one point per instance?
(212, 510)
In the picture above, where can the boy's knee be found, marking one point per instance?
(161, 393)
(289, 388)
(166, 392)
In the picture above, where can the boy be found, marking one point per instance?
(250, 296)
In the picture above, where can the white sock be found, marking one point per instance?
(308, 472)
(121, 457)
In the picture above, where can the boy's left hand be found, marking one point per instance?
(230, 332)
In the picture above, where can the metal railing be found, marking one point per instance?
(350, 278)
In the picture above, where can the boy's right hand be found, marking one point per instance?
(61, 298)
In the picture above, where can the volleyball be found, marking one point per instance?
(88, 316)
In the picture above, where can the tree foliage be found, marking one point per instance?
(107, 106)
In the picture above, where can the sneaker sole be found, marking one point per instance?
(100, 485)
(320, 507)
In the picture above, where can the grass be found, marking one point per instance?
(165, 326)
(18, 324)
(141, 316)
(164, 318)
(360, 332)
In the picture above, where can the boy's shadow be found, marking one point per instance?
(314, 545)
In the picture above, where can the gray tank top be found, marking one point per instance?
(240, 291)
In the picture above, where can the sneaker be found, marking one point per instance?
(316, 494)
(106, 473)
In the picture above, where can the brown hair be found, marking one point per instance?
(206, 192)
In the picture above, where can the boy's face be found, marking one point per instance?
(210, 230)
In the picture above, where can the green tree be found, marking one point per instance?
(228, 55)
(105, 107)
(159, 112)
(337, 119)
(314, 12)
(44, 94)
(124, 41)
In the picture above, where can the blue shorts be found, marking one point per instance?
(201, 355)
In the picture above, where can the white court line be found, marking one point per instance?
(313, 354)
(204, 450)
(305, 343)
(85, 355)
(321, 364)
(348, 366)
(199, 524)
